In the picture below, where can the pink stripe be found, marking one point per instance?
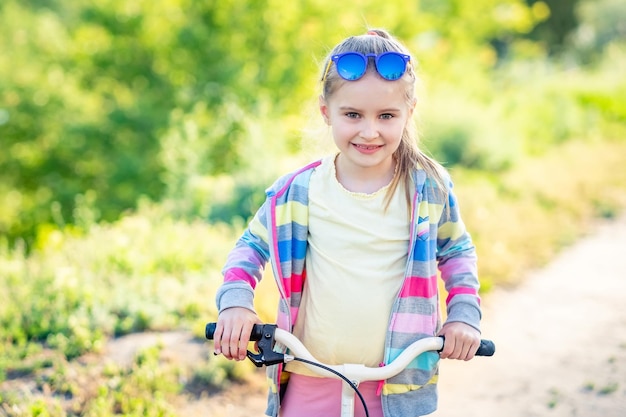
(462, 290)
(282, 321)
(458, 266)
(297, 282)
(413, 223)
(238, 274)
(287, 287)
(419, 287)
(411, 323)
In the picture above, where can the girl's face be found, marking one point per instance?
(367, 117)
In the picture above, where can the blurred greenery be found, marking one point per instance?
(105, 102)
(136, 139)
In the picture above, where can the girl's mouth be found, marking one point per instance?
(366, 147)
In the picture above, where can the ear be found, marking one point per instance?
(411, 110)
(412, 106)
(324, 110)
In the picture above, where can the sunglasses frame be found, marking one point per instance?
(365, 57)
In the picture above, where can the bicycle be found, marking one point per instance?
(266, 335)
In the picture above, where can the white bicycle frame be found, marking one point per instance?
(356, 373)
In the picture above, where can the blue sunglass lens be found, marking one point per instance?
(391, 66)
(351, 66)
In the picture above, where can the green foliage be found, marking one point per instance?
(600, 29)
(152, 273)
(212, 179)
(145, 388)
(526, 107)
(141, 390)
(96, 95)
(556, 30)
(521, 218)
(218, 373)
(462, 131)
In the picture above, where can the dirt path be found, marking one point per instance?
(560, 337)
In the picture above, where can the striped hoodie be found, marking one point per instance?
(439, 242)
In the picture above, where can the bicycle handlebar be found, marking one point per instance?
(267, 334)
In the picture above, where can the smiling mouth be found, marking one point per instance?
(367, 147)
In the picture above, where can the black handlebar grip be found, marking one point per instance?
(486, 348)
(209, 331)
(255, 335)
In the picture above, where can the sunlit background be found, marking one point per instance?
(137, 138)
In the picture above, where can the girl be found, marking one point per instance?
(355, 241)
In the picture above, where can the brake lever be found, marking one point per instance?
(266, 356)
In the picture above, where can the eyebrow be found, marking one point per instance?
(389, 110)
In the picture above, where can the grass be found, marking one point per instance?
(608, 389)
(555, 397)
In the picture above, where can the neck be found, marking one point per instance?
(364, 179)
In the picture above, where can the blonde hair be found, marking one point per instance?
(408, 156)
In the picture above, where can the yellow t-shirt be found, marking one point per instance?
(355, 265)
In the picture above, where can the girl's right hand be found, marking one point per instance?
(232, 332)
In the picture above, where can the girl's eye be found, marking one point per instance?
(386, 116)
(352, 115)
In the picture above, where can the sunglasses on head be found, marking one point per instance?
(352, 65)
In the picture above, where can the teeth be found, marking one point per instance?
(369, 147)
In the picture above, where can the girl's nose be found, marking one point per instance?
(369, 130)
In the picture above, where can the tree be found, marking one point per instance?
(93, 92)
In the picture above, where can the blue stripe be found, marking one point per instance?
(425, 362)
(292, 249)
(423, 250)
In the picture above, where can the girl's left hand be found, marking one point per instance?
(461, 341)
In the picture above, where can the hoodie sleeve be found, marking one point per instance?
(457, 263)
(245, 265)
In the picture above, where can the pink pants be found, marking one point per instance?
(321, 397)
